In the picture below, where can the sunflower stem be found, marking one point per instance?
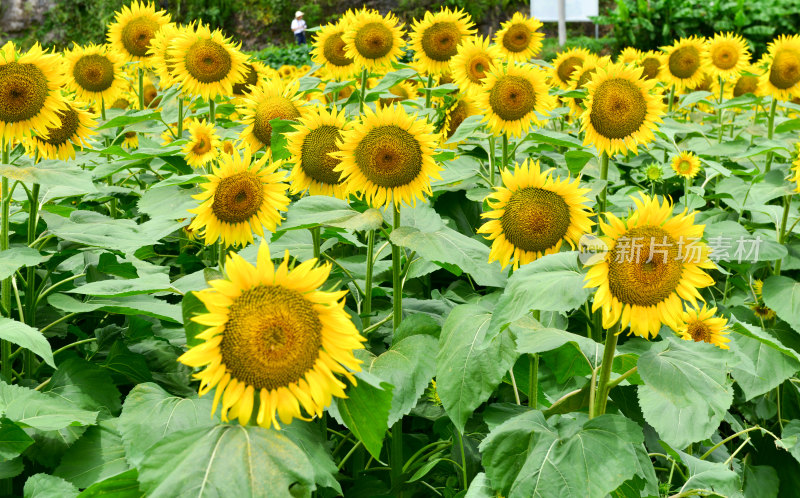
(601, 198)
(720, 110)
(787, 201)
(30, 278)
(533, 381)
(605, 371)
(397, 306)
(141, 88)
(316, 237)
(212, 112)
(463, 457)
(367, 311)
(397, 459)
(671, 99)
(361, 94)
(428, 91)
(5, 286)
(491, 161)
(770, 131)
(180, 116)
(504, 159)
(103, 108)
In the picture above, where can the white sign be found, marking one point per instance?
(575, 10)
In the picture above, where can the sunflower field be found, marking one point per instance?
(473, 274)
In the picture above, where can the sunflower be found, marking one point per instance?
(474, 58)
(371, 40)
(130, 140)
(76, 127)
(162, 63)
(228, 147)
(654, 172)
(435, 39)
(700, 325)
(388, 156)
(29, 92)
(747, 82)
(519, 38)
(655, 260)
(404, 90)
(458, 111)
(629, 55)
(263, 104)
(94, 73)
(650, 62)
(133, 28)
(512, 96)
(311, 147)
(682, 63)
(533, 214)
(240, 197)
(274, 342)
(122, 102)
(725, 55)
(329, 51)
(783, 76)
(621, 109)
(207, 64)
(758, 287)
(580, 77)
(565, 63)
(763, 312)
(204, 143)
(686, 164)
(150, 93)
(255, 74)
(795, 169)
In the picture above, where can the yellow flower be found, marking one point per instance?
(629, 55)
(273, 100)
(274, 343)
(311, 147)
(795, 169)
(782, 79)
(621, 109)
(29, 92)
(133, 29)
(683, 62)
(59, 143)
(329, 51)
(580, 77)
(255, 74)
(404, 90)
(650, 62)
(747, 82)
(458, 111)
(161, 61)
(655, 261)
(241, 197)
(207, 64)
(700, 325)
(371, 40)
(512, 95)
(388, 157)
(725, 55)
(763, 312)
(435, 39)
(94, 73)
(130, 140)
(474, 58)
(533, 214)
(519, 38)
(565, 63)
(686, 164)
(204, 143)
(758, 286)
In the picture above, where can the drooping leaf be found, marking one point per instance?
(47, 486)
(96, 456)
(13, 440)
(782, 294)
(15, 258)
(765, 364)
(42, 411)
(124, 485)
(365, 411)
(27, 337)
(85, 385)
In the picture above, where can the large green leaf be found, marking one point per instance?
(528, 456)
(170, 202)
(226, 460)
(309, 439)
(409, 366)
(139, 304)
(85, 385)
(466, 371)
(765, 364)
(47, 486)
(148, 284)
(712, 476)
(782, 294)
(790, 439)
(27, 337)
(150, 413)
(69, 179)
(316, 210)
(15, 258)
(551, 283)
(686, 390)
(96, 456)
(13, 440)
(365, 411)
(124, 485)
(39, 410)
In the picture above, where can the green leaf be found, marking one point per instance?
(11, 468)
(226, 460)
(574, 457)
(150, 413)
(141, 304)
(466, 129)
(124, 485)
(278, 141)
(169, 202)
(392, 78)
(480, 487)
(96, 456)
(790, 439)
(365, 411)
(64, 179)
(13, 440)
(686, 390)
(560, 139)
(765, 364)
(309, 439)
(577, 159)
(466, 372)
(130, 118)
(27, 337)
(128, 364)
(39, 410)
(551, 283)
(714, 476)
(782, 294)
(156, 282)
(85, 385)
(15, 258)
(47, 486)
(760, 481)
(191, 306)
(319, 210)
(409, 366)
(416, 324)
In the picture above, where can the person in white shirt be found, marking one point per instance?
(299, 28)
